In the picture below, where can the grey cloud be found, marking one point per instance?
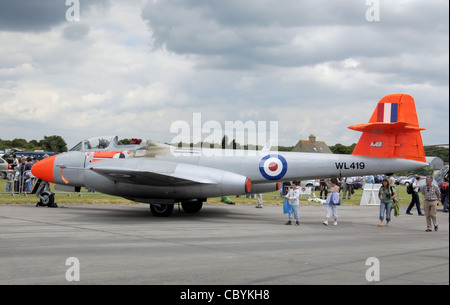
(31, 15)
(240, 34)
(407, 46)
(39, 15)
(76, 31)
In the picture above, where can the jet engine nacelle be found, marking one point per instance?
(265, 187)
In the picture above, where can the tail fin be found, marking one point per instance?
(393, 130)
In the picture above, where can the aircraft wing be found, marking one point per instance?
(144, 176)
(159, 173)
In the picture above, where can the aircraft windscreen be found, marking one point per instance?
(77, 147)
(98, 143)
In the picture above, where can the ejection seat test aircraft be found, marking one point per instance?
(162, 175)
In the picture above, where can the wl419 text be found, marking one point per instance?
(353, 165)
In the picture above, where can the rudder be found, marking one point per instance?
(393, 130)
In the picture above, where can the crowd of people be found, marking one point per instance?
(20, 179)
(432, 195)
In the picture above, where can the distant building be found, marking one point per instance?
(312, 146)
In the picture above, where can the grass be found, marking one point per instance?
(96, 198)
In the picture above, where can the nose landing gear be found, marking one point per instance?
(46, 197)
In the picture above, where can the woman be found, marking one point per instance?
(386, 195)
(333, 200)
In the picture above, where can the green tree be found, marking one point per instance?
(19, 143)
(53, 143)
(342, 149)
(437, 151)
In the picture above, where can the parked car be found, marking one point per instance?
(39, 154)
(311, 183)
(399, 180)
(409, 180)
(4, 168)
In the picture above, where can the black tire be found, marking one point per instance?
(192, 206)
(47, 199)
(161, 210)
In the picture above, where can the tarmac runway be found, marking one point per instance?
(221, 245)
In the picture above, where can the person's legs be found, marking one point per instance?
(329, 212)
(335, 214)
(433, 208)
(427, 208)
(382, 213)
(290, 215)
(296, 214)
(388, 213)
(417, 198)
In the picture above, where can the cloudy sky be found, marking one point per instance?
(134, 67)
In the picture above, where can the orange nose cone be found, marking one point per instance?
(44, 169)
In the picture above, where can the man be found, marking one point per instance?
(349, 186)
(445, 193)
(432, 195)
(323, 188)
(391, 180)
(260, 201)
(415, 200)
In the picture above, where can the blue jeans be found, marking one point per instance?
(415, 200)
(294, 209)
(385, 208)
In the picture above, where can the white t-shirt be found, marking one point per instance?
(416, 185)
(293, 196)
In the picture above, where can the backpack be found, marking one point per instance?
(409, 189)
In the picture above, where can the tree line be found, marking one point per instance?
(48, 143)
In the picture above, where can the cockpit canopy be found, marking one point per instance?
(105, 143)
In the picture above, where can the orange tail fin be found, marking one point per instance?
(393, 130)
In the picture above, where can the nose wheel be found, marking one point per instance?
(46, 197)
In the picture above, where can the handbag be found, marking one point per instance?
(332, 199)
(338, 200)
(287, 208)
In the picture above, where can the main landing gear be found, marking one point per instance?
(189, 206)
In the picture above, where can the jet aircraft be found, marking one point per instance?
(162, 175)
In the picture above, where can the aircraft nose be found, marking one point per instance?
(44, 169)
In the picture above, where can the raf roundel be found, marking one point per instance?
(273, 167)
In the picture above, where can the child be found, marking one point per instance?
(9, 182)
(333, 200)
(293, 195)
